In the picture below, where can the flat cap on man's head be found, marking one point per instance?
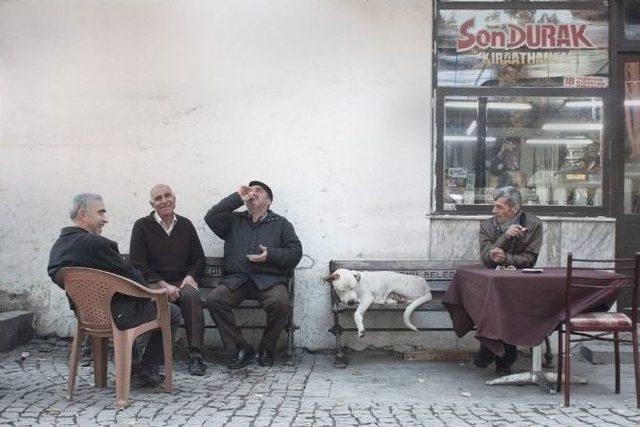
(264, 186)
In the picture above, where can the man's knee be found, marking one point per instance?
(279, 305)
(218, 299)
(190, 295)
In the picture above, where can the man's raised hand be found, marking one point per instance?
(244, 192)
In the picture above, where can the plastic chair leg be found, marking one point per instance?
(123, 344)
(100, 361)
(167, 348)
(74, 360)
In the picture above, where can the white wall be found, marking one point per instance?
(326, 101)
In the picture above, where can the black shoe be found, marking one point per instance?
(265, 357)
(243, 358)
(503, 369)
(484, 357)
(196, 365)
(150, 376)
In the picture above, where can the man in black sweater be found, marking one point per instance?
(260, 250)
(82, 246)
(166, 249)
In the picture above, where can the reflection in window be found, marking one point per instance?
(632, 19)
(632, 138)
(548, 147)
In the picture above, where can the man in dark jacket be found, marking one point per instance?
(82, 246)
(166, 249)
(510, 238)
(260, 250)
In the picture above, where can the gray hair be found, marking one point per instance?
(512, 194)
(81, 201)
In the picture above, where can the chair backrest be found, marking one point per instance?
(628, 267)
(91, 291)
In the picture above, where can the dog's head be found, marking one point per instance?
(345, 282)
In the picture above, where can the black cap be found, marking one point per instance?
(263, 185)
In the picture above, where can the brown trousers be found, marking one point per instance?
(274, 300)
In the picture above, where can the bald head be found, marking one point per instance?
(162, 200)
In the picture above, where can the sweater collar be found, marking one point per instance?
(74, 229)
(268, 217)
(158, 220)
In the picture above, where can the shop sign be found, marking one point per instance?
(529, 36)
(515, 47)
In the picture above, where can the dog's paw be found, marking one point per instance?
(361, 334)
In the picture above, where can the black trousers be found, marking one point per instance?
(145, 311)
(274, 300)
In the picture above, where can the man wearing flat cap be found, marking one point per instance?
(260, 249)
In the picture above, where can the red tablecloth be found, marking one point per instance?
(521, 308)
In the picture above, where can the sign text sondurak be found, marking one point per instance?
(530, 36)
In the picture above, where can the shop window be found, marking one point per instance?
(549, 147)
(632, 138)
(521, 95)
(632, 19)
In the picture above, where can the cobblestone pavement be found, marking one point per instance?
(376, 389)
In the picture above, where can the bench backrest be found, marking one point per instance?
(438, 273)
(213, 272)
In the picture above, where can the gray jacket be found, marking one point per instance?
(520, 252)
(242, 236)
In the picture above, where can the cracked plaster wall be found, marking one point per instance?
(327, 101)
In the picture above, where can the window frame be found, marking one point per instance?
(441, 92)
(623, 43)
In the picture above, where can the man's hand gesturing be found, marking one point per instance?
(262, 257)
(244, 192)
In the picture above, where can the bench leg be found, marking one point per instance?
(291, 355)
(339, 361)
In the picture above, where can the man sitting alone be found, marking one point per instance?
(510, 238)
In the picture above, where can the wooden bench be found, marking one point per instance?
(212, 277)
(438, 273)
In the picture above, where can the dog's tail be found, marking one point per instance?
(411, 307)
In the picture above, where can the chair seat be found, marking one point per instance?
(597, 321)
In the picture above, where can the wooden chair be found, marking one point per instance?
(596, 325)
(91, 291)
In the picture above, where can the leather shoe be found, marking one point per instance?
(504, 363)
(242, 359)
(196, 365)
(150, 376)
(265, 358)
(484, 357)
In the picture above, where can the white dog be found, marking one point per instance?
(379, 287)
